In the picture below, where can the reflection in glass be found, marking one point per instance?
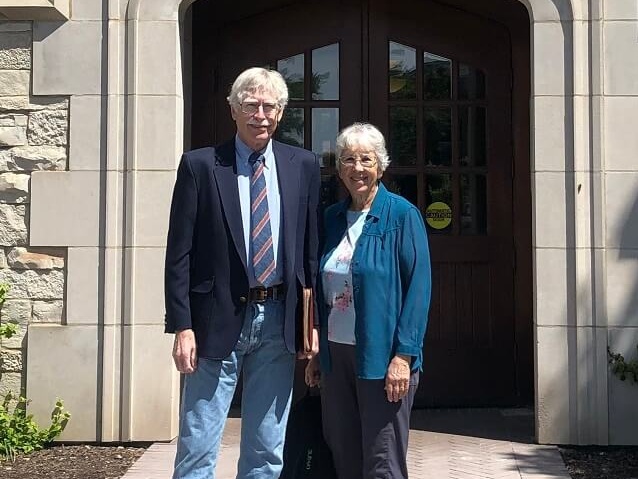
(437, 77)
(330, 191)
(439, 189)
(472, 136)
(471, 83)
(404, 185)
(474, 204)
(438, 136)
(292, 69)
(291, 127)
(403, 135)
(325, 73)
(325, 126)
(402, 71)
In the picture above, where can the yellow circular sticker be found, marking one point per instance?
(438, 215)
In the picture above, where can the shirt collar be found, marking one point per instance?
(377, 202)
(243, 152)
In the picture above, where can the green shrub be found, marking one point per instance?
(10, 329)
(622, 368)
(19, 433)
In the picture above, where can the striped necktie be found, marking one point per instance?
(260, 233)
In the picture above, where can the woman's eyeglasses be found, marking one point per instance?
(367, 161)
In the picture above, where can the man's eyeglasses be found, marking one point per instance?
(252, 107)
(367, 161)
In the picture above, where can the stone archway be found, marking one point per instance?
(566, 410)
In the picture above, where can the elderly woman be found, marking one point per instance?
(373, 303)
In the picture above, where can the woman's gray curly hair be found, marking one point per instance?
(363, 135)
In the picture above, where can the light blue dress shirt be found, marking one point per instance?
(244, 173)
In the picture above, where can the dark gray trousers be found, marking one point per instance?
(367, 434)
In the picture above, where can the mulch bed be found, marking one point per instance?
(72, 462)
(595, 462)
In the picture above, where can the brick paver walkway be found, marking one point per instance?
(444, 444)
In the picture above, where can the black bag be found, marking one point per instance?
(306, 454)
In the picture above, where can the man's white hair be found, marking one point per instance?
(258, 80)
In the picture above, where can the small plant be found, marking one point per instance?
(622, 368)
(10, 329)
(19, 433)
(4, 289)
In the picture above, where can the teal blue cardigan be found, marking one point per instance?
(391, 280)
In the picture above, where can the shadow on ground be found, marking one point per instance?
(515, 424)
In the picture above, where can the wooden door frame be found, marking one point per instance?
(522, 207)
(522, 222)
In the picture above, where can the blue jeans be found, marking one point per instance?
(268, 369)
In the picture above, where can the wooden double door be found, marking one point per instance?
(437, 81)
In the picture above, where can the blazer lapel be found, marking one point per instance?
(288, 176)
(226, 178)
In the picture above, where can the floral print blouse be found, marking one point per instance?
(336, 277)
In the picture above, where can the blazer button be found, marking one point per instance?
(242, 299)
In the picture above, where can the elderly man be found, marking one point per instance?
(242, 240)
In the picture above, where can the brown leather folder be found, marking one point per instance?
(307, 318)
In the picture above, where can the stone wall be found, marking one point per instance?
(33, 137)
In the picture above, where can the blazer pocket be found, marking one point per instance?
(202, 303)
(204, 287)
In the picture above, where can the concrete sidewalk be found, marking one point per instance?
(444, 443)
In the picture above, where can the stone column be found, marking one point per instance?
(619, 113)
(33, 137)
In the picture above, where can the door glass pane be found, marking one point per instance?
(292, 69)
(325, 126)
(438, 137)
(474, 201)
(402, 70)
(325, 73)
(471, 83)
(438, 203)
(404, 185)
(472, 135)
(403, 135)
(291, 127)
(437, 77)
(329, 190)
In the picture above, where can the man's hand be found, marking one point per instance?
(315, 347)
(185, 351)
(397, 379)
(313, 372)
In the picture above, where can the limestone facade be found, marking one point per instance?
(33, 137)
(112, 71)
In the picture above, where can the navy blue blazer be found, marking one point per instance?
(206, 281)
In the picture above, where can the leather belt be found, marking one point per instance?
(261, 294)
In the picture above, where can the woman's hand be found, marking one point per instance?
(313, 372)
(397, 379)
